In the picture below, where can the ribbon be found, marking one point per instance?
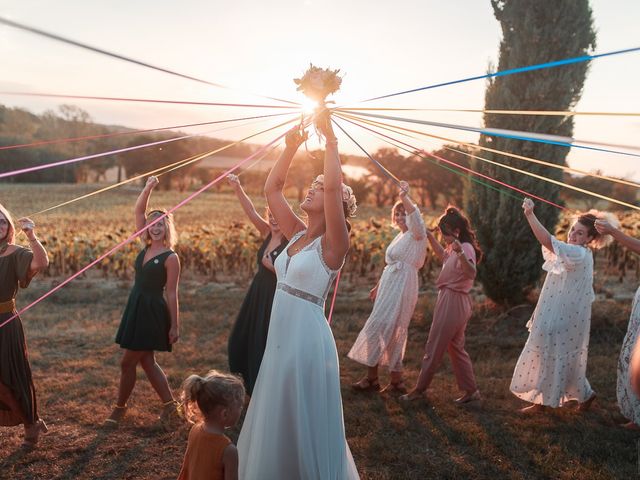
(136, 234)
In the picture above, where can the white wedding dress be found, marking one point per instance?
(294, 427)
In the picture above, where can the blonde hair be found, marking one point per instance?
(395, 207)
(213, 390)
(11, 232)
(170, 235)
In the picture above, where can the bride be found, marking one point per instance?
(294, 427)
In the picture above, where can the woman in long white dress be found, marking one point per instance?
(552, 367)
(628, 399)
(294, 427)
(383, 339)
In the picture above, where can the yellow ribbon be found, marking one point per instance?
(524, 172)
(499, 112)
(507, 154)
(167, 168)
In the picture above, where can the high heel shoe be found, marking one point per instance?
(32, 434)
(116, 417)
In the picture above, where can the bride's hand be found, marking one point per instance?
(324, 126)
(296, 137)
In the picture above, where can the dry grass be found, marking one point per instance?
(75, 366)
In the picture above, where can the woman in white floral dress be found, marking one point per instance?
(383, 338)
(552, 367)
(628, 400)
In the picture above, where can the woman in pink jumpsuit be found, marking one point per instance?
(453, 306)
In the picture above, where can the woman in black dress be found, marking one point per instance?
(249, 334)
(150, 321)
(18, 265)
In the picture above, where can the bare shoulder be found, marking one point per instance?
(230, 455)
(173, 259)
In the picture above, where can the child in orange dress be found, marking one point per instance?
(210, 454)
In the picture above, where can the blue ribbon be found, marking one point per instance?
(491, 133)
(511, 71)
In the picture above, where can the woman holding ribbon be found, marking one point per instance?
(552, 368)
(150, 321)
(383, 338)
(18, 265)
(453, 307)
(294, 427)
(249, 334)
(628, 399)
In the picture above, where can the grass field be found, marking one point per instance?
(75, 364)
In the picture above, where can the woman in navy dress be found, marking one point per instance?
(249, 334)
(150, 321)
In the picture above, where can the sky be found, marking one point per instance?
(260, 46)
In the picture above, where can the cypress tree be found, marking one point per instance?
(532, 32)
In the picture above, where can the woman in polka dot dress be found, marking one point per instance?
(628, 400)
(552, 367)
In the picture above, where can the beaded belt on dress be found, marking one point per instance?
(8, 307)
(300, 294)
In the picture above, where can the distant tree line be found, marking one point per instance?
(434, 183)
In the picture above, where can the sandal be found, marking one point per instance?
(412, 396)
(116, 416)
(630, 426)
(395, 387)
(171, 416)
(533, 409)
(32, 434)
(586, 405)
(468, 397)
(367, 385)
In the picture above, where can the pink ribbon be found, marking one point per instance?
(136, 234)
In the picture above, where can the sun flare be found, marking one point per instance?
(308, 106)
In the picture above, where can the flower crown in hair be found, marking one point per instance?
(348, 196)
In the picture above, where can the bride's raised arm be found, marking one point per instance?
(336, 241)
(289, 222)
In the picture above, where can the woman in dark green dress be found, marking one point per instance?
(249, 334)
(150, 321)
(18, 265)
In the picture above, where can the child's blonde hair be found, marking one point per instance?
(213, 390)
(170, 236)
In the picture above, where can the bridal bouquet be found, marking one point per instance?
(318, 83)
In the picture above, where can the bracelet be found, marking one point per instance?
(33, 240)
(333, 141)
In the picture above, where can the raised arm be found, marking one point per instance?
(435, 245)
(417, 228)
(143, 202)
(40, 259)
(336, 241)
(289, 222)
(247, 206)
(541, 233)
(172, 266)
(605, 228)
